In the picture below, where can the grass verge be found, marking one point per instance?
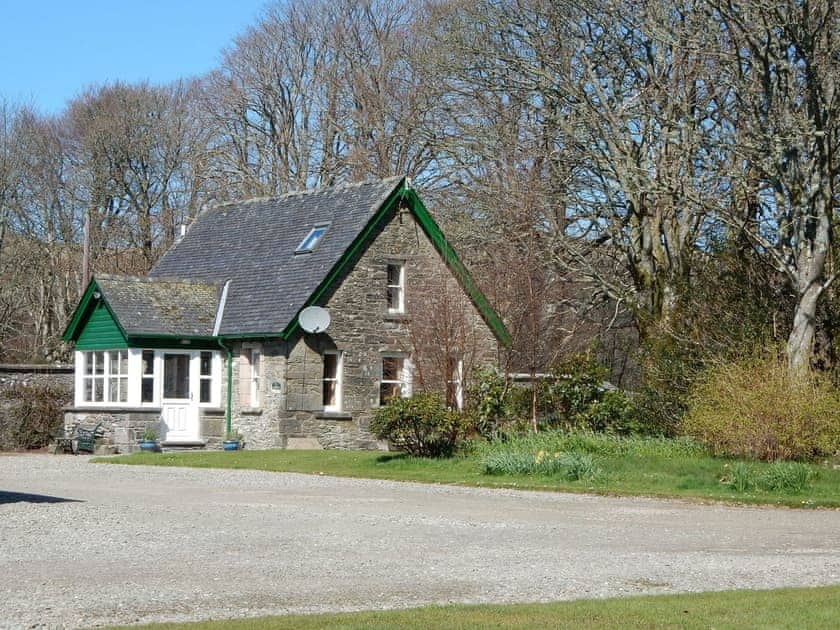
(784, 608)
(560, 462)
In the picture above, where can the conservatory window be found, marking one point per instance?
(105, 376)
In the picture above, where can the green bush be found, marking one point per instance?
(32, 415)
(757, 410)
(575, 399)
(496, 406)
(420, 425)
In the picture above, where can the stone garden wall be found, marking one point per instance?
(48, 386)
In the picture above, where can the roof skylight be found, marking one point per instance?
(312, 239)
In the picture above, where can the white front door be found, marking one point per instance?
(179, 402)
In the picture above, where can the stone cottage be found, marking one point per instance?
(211, 340)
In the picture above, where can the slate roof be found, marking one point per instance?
(252, 244)
(146, 306)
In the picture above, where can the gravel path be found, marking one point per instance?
(84, 545)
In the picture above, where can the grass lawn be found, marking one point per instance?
(786, 608)
(648, 467)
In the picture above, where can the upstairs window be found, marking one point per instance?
(396, 287)
(312, 239)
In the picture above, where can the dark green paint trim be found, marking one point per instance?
(172, 342)
(86, 304)
(229, 390)
(96, 311)
(435, 235)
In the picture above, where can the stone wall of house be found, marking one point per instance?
(124, 427)
(291, 414)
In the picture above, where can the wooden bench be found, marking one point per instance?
(80, 439)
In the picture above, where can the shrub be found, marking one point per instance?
(32, 414)
(495, 405)
(576, 399)
(756, 410)
(420, 425)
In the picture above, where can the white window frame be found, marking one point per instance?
(399, 307)
(133, 377)
(456, 379)
(154, 377)
(338, 380)
(404, 378)
(106, 376)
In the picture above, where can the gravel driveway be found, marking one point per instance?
(84, 544)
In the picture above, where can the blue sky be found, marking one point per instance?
(51, 49)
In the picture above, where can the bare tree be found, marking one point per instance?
(783, 60)
(130, 149)
(616, 106)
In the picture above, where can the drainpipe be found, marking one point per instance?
(229, 397)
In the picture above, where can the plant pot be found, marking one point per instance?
(230, 445)
(148, 445)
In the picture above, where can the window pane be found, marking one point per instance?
(123, 390)
(204, 390)
(330, 365)
(148, 362)
(176, 376)
(312, 239)
(393, 298)
(392, 368)
(388, 391)
(393, 275)
(113, 389)
(147, 393)
(329, 393)
(99, 362)
(206, 363)
(113, 362)
(88, 359)
(124, 363)
(98, 389)
(88, 387)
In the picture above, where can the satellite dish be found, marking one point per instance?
(314, 319)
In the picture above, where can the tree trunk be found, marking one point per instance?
(800, 343)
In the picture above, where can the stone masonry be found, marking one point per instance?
(291, 413)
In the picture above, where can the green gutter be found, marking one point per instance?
(435, 235)
(395, 197)
(229, 396)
